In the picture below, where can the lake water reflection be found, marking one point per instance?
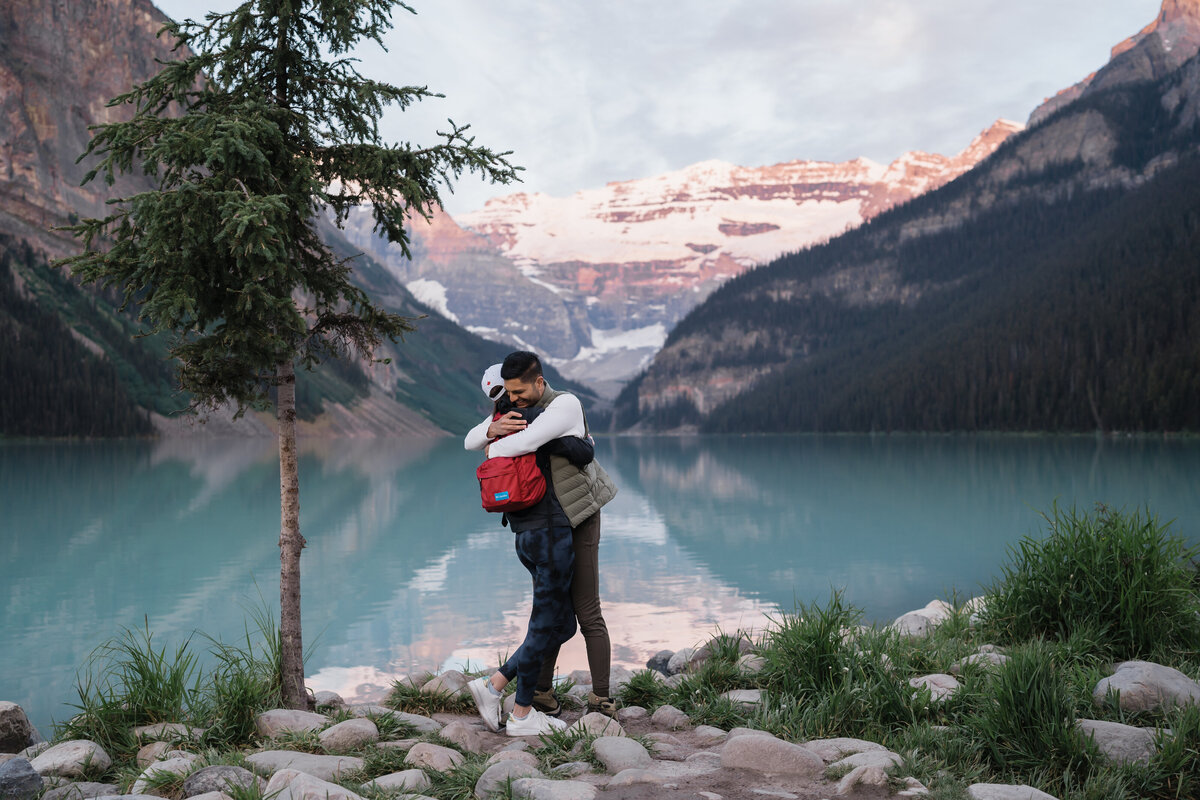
(404, 571)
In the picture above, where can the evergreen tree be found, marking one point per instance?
(262, 124)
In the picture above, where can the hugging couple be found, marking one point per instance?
(557, 540)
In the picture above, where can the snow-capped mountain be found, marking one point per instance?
(596, 280)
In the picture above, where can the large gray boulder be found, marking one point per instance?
(15, 731)
(660, 661)
(289, 784)
(220, 778)
(464, 735)
(74, 759)
(1123, 744)
(771, 755)
(287, 720)
(269, 762)
(1146, 686)
(940, 685)
(497, 775)
(680, 660)
(619, 752)
(19, 780)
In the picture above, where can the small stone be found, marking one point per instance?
(707, 735)
(149, 753)
(984, 660)
(434, 756)
(660, 661)
(580, 677)
(871, 758)
(619, 753)
(73, 759)
(496, 776)
(329, 700)
(861, 776)
(290, 784)
(326, 768)
(211, 796)
(675, 681)
(463, 735)
(451, 682)
(220, 778)
(913, 788)
(349, 735)
(699, 658)
(176, 767)
(771, 755)
(628, 777)
(679, 661)
(751, 664)
(16, 732)
(82, 790)
(521, 756)
(35, 750)
(1004, 791)
(618, 678)
(19, 780)
(744, 698)
(670, 718)
(270, 724)
(542, 789)
(631, 713)
(399, 744)
(1146, 686)
(419, 723)
(1123, 744)
(710, 796)
(940, 685)
(836, 749)
(923, 620)
(572, 769)
(598, 724)
(519, 744)
(409, 780)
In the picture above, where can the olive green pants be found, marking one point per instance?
(585, 594)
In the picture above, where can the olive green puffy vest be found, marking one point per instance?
(580, 491)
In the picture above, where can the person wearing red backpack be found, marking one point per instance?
(544, 535)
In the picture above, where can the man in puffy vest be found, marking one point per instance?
(546, 536)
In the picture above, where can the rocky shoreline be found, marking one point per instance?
(639, 755)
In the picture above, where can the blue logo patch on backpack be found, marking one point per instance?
(501, 496)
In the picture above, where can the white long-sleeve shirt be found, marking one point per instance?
(563, 417)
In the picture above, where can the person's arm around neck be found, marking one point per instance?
(563, 417)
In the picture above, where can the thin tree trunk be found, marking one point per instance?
(290, 545)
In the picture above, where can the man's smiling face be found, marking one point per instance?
(522, 394)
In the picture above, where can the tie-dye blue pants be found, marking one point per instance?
(550, 558)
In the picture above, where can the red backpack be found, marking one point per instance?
(510, 484)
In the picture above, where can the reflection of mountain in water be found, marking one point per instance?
(893, 521)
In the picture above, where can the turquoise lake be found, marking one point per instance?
(404, 571)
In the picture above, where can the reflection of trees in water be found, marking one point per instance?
(896, 519)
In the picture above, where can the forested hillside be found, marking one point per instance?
(1056, 287)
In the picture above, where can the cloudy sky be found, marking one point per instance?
(589, 92)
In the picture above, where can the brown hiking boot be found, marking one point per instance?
(547, 703)
(604, 705)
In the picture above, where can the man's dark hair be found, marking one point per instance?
(521, 365)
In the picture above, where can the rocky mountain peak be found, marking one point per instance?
(1172, 38)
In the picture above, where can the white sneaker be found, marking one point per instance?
(487, 702)
(535, 724)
